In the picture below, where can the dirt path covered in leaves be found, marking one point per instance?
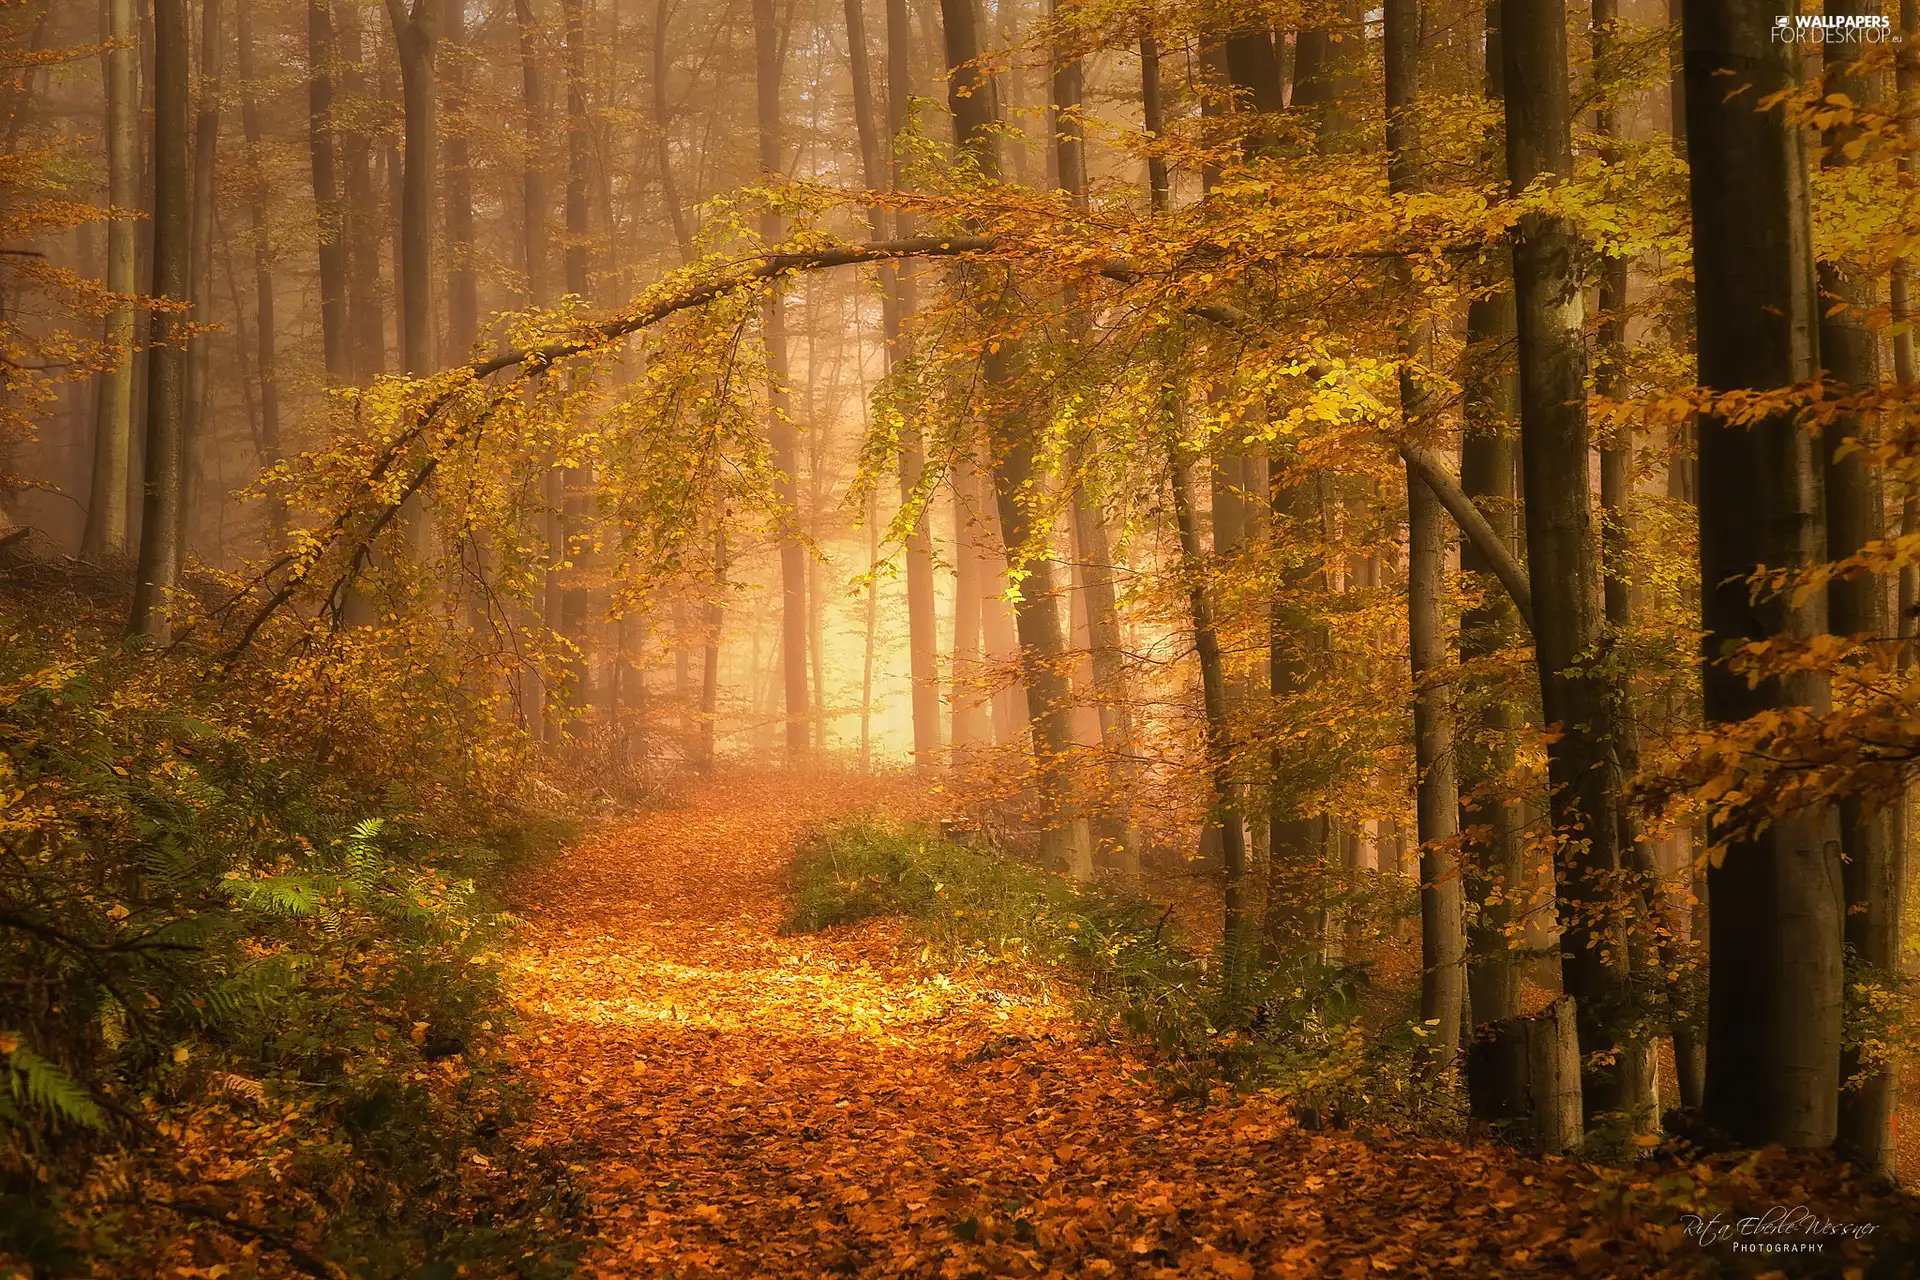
(739, 1103)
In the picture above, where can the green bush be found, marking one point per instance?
(1288, 1024)
(234, 977)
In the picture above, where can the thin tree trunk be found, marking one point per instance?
(1011, 458)
(575, 601)
(533, 191)
(463, 275)
(1437, 794)
(710, 660)
(1153, 119)
(365, 323)
(416, 29)
(265, 322)
(663, 148)
(923, 642)
(1583, 775)
(329, 214)
(158, 567)
(105, 534)
(1221, 814)
(1494, 862)
(1093, 560)
(1775, 975)
(206, 151)
(1856, 516)
(769, 44)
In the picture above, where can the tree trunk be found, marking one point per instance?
(1296, 860)
(1093, 559)
(158, 566)
(533, 188)
(365, 321)
(577, 482)
(1437, 794)
(710, 660)
(416, 31)
(206, 151)
(1583, 776)
(329, 214)
(105, 534)
(1153, 119)
(463, 274)
(971, 723)
(1010, 448)
(1221, 815)
(265, 323)
(770, 45)
(1774, 995)
(923, 644)
(1494, 861)
(663, 147)
(1856, 516)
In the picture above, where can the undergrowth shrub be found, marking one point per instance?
(1289, 1024)
(248, 982)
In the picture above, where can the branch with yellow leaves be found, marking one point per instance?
(533, 360)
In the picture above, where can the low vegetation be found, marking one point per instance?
(248, 979)
(1308, 1028)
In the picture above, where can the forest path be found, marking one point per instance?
(740, 1103)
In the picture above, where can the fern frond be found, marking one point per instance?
(42, 1084)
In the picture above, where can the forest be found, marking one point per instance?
(959, 638)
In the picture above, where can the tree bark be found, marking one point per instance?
(1494, 862)
(533, 188)
(265, 321)
(416, 30)
(577, 482)
(1221, 810)
(105, 534)
(1093, 560)
(1011, 460)
(1154, 119)
(329, 214)
(1775, 978)
(1856, 516)
(206, 152)
(1583, 774)
(663, 147)
(157, 569)
(463, 275)
(366, 324)
(769, 45)
(1437, 793)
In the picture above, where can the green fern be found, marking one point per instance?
(34, 1080)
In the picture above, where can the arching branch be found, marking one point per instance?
(767, 267)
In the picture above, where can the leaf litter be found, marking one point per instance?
(735, 1102)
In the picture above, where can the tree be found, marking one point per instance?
(1774, 982)
(1493, 864)
(157, 569)
(1857, 606)
(326, 192)
(769, 45)
(106, 529)
(1437, 808)
(206, 148)
(416, 31)
(1011, 466)
(265, 318)
(1578, 703)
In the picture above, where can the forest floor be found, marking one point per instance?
(736, 1102)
